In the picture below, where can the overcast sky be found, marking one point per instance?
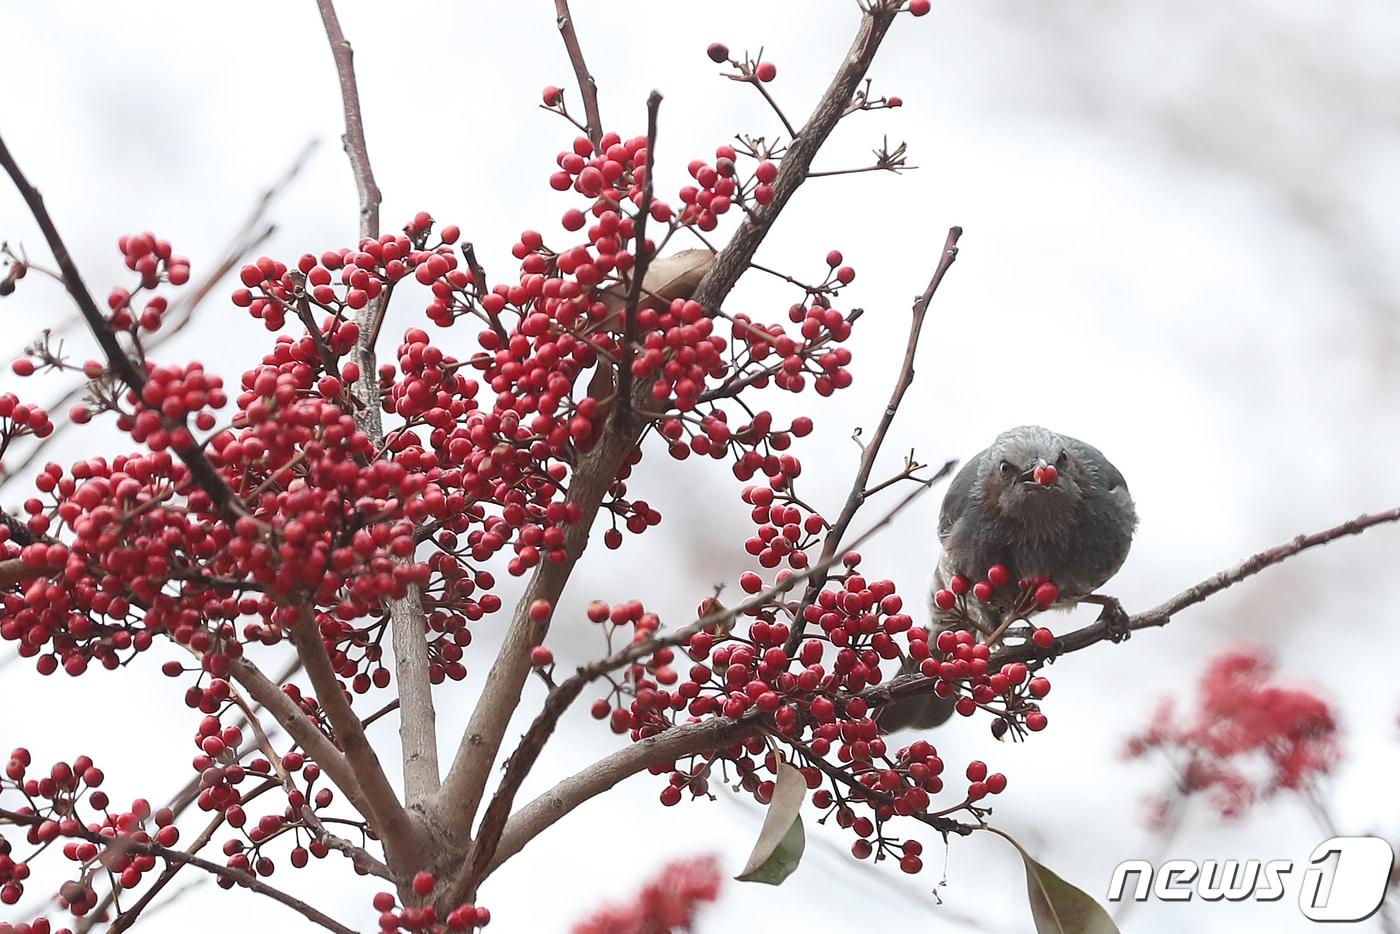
(1180, 229)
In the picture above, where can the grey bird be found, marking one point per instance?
(1041, 504)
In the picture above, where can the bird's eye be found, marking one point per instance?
(1063, 459)
(1007, 468)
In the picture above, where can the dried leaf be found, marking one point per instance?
(667, 278)
(1056, 906)
(782, 840)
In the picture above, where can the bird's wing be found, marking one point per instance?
(1112, 479)
(958, 497)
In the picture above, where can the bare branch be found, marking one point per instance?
(602, 775)
(417, 716)
(587, 87)
(734, 259)
(859, 492)
(118, 361)
(236, 876)
(1105, 630)
(354, 139)
(682, 741)
(300, 728)
(623, 411)
(390, 821)
(455, 806)
(518, 766)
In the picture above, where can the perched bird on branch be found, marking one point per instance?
(1041, 505)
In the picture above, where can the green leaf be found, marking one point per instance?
(1056, 906)
(782, 839)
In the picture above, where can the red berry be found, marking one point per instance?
(998, 575)
(958, 584)
(766, 72)
(541, 657)
(982, 590)
(423, 883)
(976, 770)
(552, 96)
(718, 52)
(1035, 721)
(1046, 594)
(1046, 476)
(1043, 638)
(540, 611)
(920, 7)
(945, 599)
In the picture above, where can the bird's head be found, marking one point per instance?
(1031, 476)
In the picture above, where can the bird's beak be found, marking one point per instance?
(1042, 474)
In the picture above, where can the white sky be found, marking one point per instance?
(1179, 231)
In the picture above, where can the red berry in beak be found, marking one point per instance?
(1046, 476)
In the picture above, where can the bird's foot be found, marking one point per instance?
(1113, 616)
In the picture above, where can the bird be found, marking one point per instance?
(1043, 506)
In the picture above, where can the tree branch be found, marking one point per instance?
(456, 805)
(602, 775)
(354, 138)
(587, 87)
(302, 729)
(859, 493)
(201, 471)
(417, 716)
(358, 856)
(734, 259)
(236, 876)
(518, 766)
(623, 411)
(1104, 630)
(707, 735)
(390, 821)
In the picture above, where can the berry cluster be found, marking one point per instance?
(425, 919)
(113, 842)
(1030, 594)
(1243, 719)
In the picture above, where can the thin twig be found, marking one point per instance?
(250, 235)
(587, 87)
(518, 766)
(1106, 630)
(387, 815)
(456, 805)
(354, 138)
(859, 493)
(681, 741)
(623, 411)
(118, 360)
(236, 876)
